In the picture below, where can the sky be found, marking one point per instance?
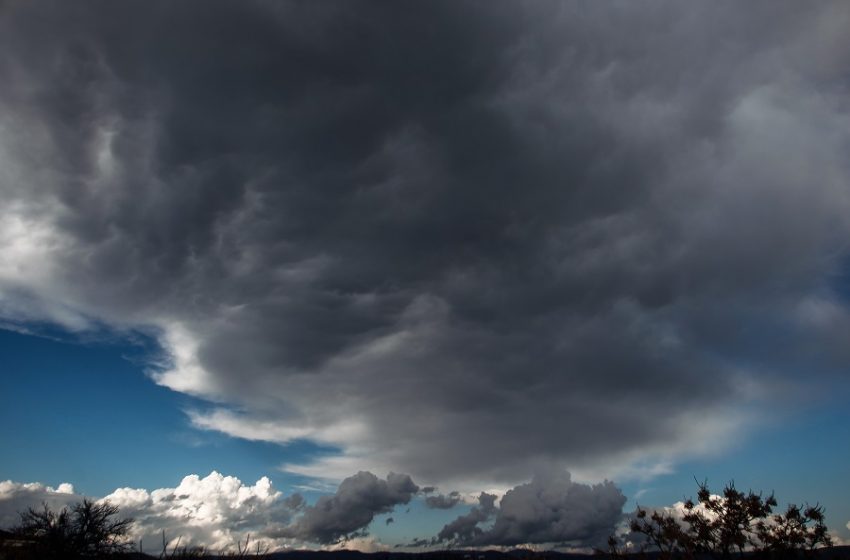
(422, 274)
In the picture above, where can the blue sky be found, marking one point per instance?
(290, 268)
(86, 413)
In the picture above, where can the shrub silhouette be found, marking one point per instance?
(735, 523)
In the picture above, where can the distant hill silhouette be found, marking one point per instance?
(832, 553)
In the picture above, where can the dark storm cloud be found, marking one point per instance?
(549, 509)
(454, 240)
(351, 509)
(464, 528)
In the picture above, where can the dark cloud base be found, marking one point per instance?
(454, 241)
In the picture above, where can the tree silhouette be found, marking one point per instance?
(88, 530)
(735, 523)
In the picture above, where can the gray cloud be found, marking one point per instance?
(549, 509)
(443, 501)
(455, 242)
(352, 508)
(464, 528)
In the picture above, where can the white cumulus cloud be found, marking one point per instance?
(214, 511)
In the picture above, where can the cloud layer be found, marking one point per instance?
(454, 242)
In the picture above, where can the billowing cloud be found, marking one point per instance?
(215, 511)
(551, 509)
(352, 508)
(458, 242)
(17, 497)
(465, 528)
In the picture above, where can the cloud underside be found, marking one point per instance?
(454, 242)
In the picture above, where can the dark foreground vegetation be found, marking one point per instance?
(720, 527)
(735, 525)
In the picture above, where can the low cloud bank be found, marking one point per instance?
(551, 509)
(217, 510)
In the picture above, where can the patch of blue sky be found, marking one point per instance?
(85, 412)
(413, 520)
